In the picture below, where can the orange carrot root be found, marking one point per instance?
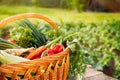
(36, 53)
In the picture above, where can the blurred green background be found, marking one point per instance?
(97, 20)
(67, 10)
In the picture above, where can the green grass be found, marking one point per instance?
(58, 14)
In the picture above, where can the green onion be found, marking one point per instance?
(37, 35)
(4, 44)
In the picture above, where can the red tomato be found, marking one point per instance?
(58, 48)
(54, 48)
(50, 52)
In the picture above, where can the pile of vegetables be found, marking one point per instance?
(35, 42)
(19, 55)
(26, 43)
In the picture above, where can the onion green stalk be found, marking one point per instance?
(41, 39)
(4, 44)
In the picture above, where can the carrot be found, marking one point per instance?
(36, 52)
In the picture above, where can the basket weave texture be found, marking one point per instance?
(54, 67)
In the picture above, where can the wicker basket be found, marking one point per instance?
(53, 67)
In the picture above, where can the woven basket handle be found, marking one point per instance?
(27, 15)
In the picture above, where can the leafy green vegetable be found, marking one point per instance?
(41, 39)
(23, 36)
(77, 57)
(27, 35)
